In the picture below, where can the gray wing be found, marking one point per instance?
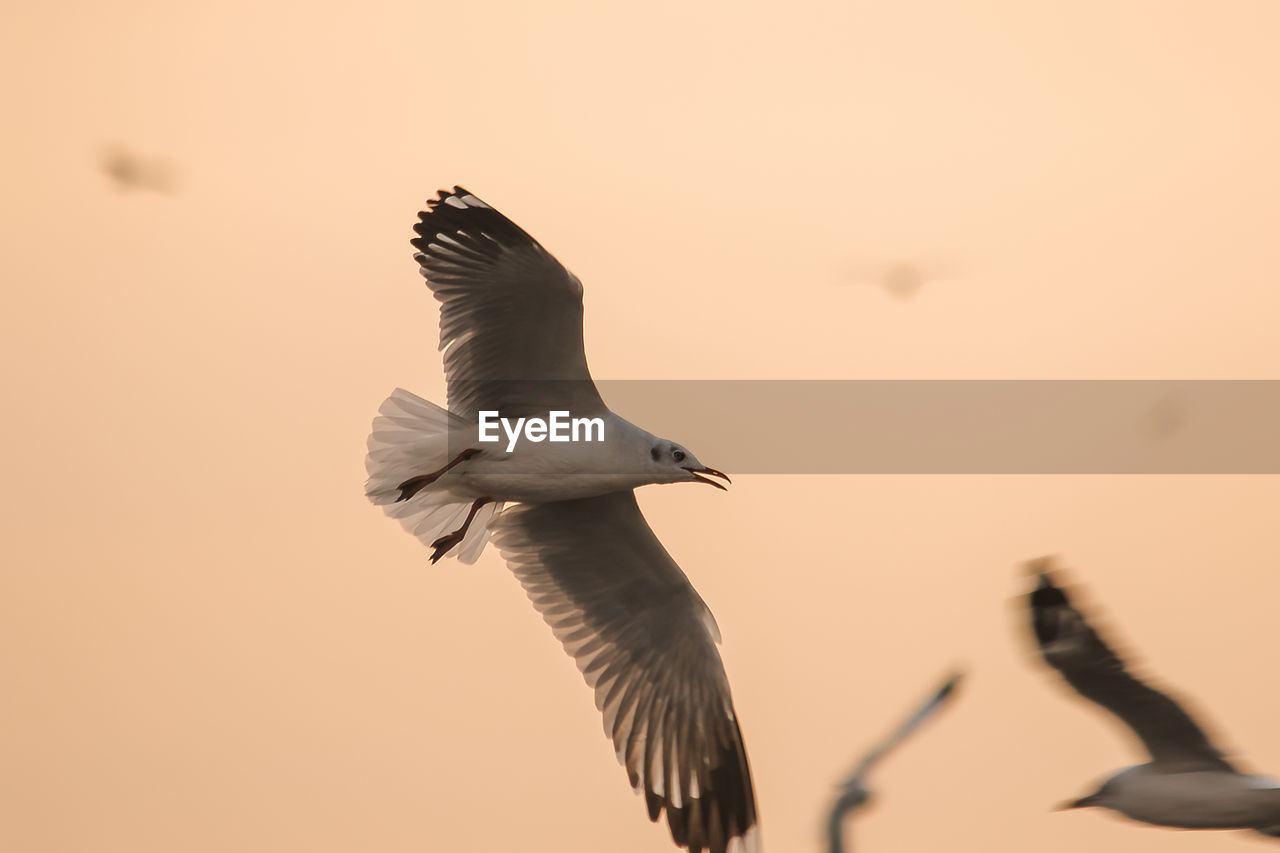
(922, 713)
(1070, 645)
(646, 643)
(510, 314)
(853, 790)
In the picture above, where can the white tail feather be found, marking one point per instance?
(411, 437)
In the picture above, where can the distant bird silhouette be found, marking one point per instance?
(853, 790)
(1188, 784)
(1165, 417)
(901, 280)
(642, 637)
(132, 171)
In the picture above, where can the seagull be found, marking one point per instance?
(574, 536)
(853, 790)
(132, 171)
(902, 279)
(1187, 784)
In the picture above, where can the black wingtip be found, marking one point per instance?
(1048, 594)
(949, 686)
(441, 201)
(726, 810)
(654, 804)
(1047, 602)
(443, 195)
(476, 234)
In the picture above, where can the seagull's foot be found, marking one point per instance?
(413, 485)
(446, 543)
(449, 541)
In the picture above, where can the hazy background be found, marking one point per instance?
(210, 641)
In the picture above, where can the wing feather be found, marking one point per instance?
(510, 314)
(1070, 645)
(640, 634)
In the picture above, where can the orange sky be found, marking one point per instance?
(212, 642)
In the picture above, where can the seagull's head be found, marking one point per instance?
(1082, 803)
(671, 463)
(1104, 797)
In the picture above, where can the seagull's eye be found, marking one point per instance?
(678, 455)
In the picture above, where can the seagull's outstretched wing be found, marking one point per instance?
(646, 643)
(1072, 647)
(510, 314)
(926, 710)
(853, 790)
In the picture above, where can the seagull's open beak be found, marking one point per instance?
(713, 472)
(1082, 803)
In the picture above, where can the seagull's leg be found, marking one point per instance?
(447, 542)
(413, 485)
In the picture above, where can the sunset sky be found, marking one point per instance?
(210, 641)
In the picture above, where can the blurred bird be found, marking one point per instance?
(1188, 784)
(511, 332)
(1165, 418)
(132, 171)
(853, 790)
(901, 280)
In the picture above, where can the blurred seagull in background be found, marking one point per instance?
(132, 171)
(902, 280)
(1187, 784)
(853, 790)
(511, 333)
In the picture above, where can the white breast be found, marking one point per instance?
(1204, 799)
(543, 471)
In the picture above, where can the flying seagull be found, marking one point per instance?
(511, 333)
(853, 790)
(132, 171)
(1188, 783)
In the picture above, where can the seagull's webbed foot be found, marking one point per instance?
(445, 544)
(413, 485)
(449, 541)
